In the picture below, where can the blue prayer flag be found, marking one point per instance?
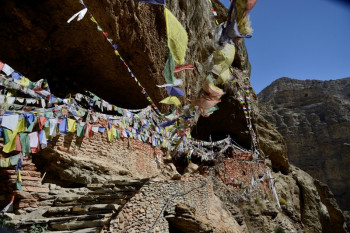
(157, 2)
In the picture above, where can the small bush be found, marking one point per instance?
(5, 227)
(282, 201)
(36, 228)
(279, 229)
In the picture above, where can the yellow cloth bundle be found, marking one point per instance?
(223, 58)
(171, 100)
(177, 37)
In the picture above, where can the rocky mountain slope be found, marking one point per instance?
(313, 117)
(94, 185)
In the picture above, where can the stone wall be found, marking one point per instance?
(237, 172)
(87, 160)
(191, 208)
(99, 161)
(33, 191)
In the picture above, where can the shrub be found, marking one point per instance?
(36, 228)
(282, 201)
(279, 229)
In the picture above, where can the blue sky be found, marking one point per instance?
(301, 39)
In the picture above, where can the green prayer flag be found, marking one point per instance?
(6, 136)
(80, 129)
(31, 126)
(14, 160)
(19, 186)
(23, 137)
(169, 70)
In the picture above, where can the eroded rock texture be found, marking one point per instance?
(313, 117)
(97, 186)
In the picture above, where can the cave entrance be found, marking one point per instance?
(184, 220)
(228, 120)
(183, 225)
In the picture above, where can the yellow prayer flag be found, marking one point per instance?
(19, 176)
(110, 135)
(71, 125)
(93, 19)
(11, 145)
(24, 81)
(223, 59)
(224, 77)
(21, 126)
(171, 100)
(114, 131)
(177, 37)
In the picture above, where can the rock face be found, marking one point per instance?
(76, 56)
(93, 185)
(313, 117)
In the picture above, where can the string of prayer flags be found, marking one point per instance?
(177, 37)
(230, 30)
(230, 33)
(214, 12)
(114, 46)
(31, 142)
(157, 2)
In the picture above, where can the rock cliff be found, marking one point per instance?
(94, 185)
(313, 117)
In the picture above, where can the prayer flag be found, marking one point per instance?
(204, 103)
(177, 37)
(169, 69)
(80, 15)
(211, 90)
(7, 69)
(179, 68)
(157, 2)
(171, 100)
(174, 91)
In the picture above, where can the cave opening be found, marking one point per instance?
(229, 120)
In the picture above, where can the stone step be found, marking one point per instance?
(76, 225)
(63, 220)
(24, 177)
(95, 201)
(116, 198)
(108, 187)
(86, 230)
(82, 209)
(23, 173)
(129, 181)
